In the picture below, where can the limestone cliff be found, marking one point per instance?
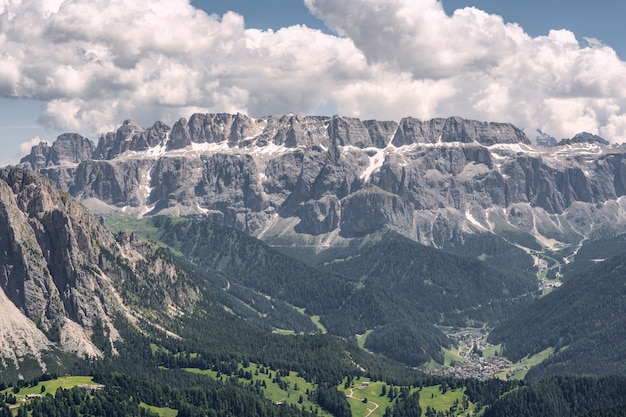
(318, 177)
(62, 274)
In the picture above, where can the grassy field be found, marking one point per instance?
(520, 369)
(492, 350)
(364, 388)
(376, 403)
(138, 226)
(141, 227)
(52, 386)
(318, 324)
(49, 387)
(433, 398)
(360, 338)
(295, 393)
(452, 354)
(293, 389)
(162, 411)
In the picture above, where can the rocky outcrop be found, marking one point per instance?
(69, 148)
(455, 129)
(67, 275)
(113, 182)
(49, 254)
(343, 131)
(39, 156)
(319, 216)
(371, 209)
(131, 137)
(584, 137)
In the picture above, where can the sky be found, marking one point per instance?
(84, 66)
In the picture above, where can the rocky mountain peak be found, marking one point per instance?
(130, 137)
(39, 156)
(290, 131)
(545, 140)
(456, 129)
(69, 148)
(584, 137)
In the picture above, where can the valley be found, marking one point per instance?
(472, 356)
(303, 266)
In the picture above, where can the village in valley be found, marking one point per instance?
(474, 357)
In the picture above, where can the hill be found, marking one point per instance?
(267, 285)
(583, 320)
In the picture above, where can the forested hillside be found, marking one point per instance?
(583, 320)
(564, 396)
(392, 285)
(446, 289)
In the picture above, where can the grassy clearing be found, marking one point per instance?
(491, 350)
(51, 386)
(520, 369)
(449, 355)
(452, 354)
(377, 404)
(290, 389)
(364, 388)
(433, 398)
(138, 226)
(284, 332)
(161, 411)
(316, 321)
(360, 338)
(158, 349)
(552, 264)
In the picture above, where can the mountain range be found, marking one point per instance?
(385, 233)
(321, 180)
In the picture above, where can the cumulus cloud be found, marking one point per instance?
(495, 70)
(97, 62)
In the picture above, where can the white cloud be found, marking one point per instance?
(95, 63)
(497, 71)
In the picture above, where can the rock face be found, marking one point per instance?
(69, 148)
(60, 271)
(130, 137)
(433, 181)
(456, 129)
(584, 137)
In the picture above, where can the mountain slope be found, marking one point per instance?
(390, 285)
(73, 291)
(445, 288)
(65, 280)
(269, 284)
(583, 320)
(49, 245)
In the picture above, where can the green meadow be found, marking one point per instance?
(284, 389)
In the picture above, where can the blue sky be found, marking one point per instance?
(85, 66)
